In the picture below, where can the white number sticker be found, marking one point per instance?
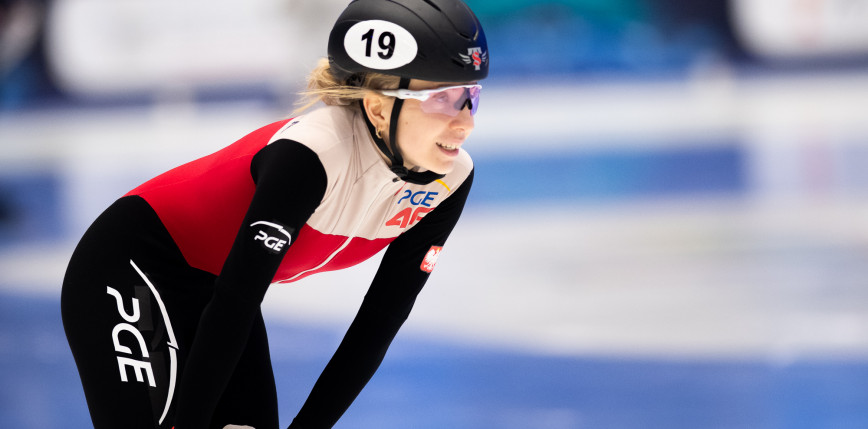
(380, 45)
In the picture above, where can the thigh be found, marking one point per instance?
(118, 293)
(251, 396)
(122, 346)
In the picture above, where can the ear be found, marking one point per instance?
(378, 109)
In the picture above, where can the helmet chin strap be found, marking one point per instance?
(397, 166)
(393, 153)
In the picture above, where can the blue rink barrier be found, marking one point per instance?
(434, 385)
(599, 175)
(30, 206)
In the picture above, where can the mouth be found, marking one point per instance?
(449, 147)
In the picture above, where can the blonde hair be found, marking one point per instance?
(323, 86)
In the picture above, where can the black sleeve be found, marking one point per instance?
(386, 306)
(290, 184)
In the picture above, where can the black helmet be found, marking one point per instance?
(435, 40)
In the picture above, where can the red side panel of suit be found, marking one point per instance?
(203, 202)
(312, 250)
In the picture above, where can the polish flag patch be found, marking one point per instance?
(431, 259)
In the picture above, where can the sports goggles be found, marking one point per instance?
(449, 100)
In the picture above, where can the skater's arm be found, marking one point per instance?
(290, 183)
(386, 306)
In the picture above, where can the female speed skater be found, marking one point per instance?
(161, 298)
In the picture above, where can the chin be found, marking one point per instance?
(443, 168)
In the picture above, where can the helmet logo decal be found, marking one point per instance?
(475, 56)
(380, 45)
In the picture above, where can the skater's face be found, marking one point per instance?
(434, 122)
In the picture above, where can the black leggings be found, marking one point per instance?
(130, 306)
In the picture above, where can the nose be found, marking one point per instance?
(463, 120)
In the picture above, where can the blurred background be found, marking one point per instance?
(667, 228)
